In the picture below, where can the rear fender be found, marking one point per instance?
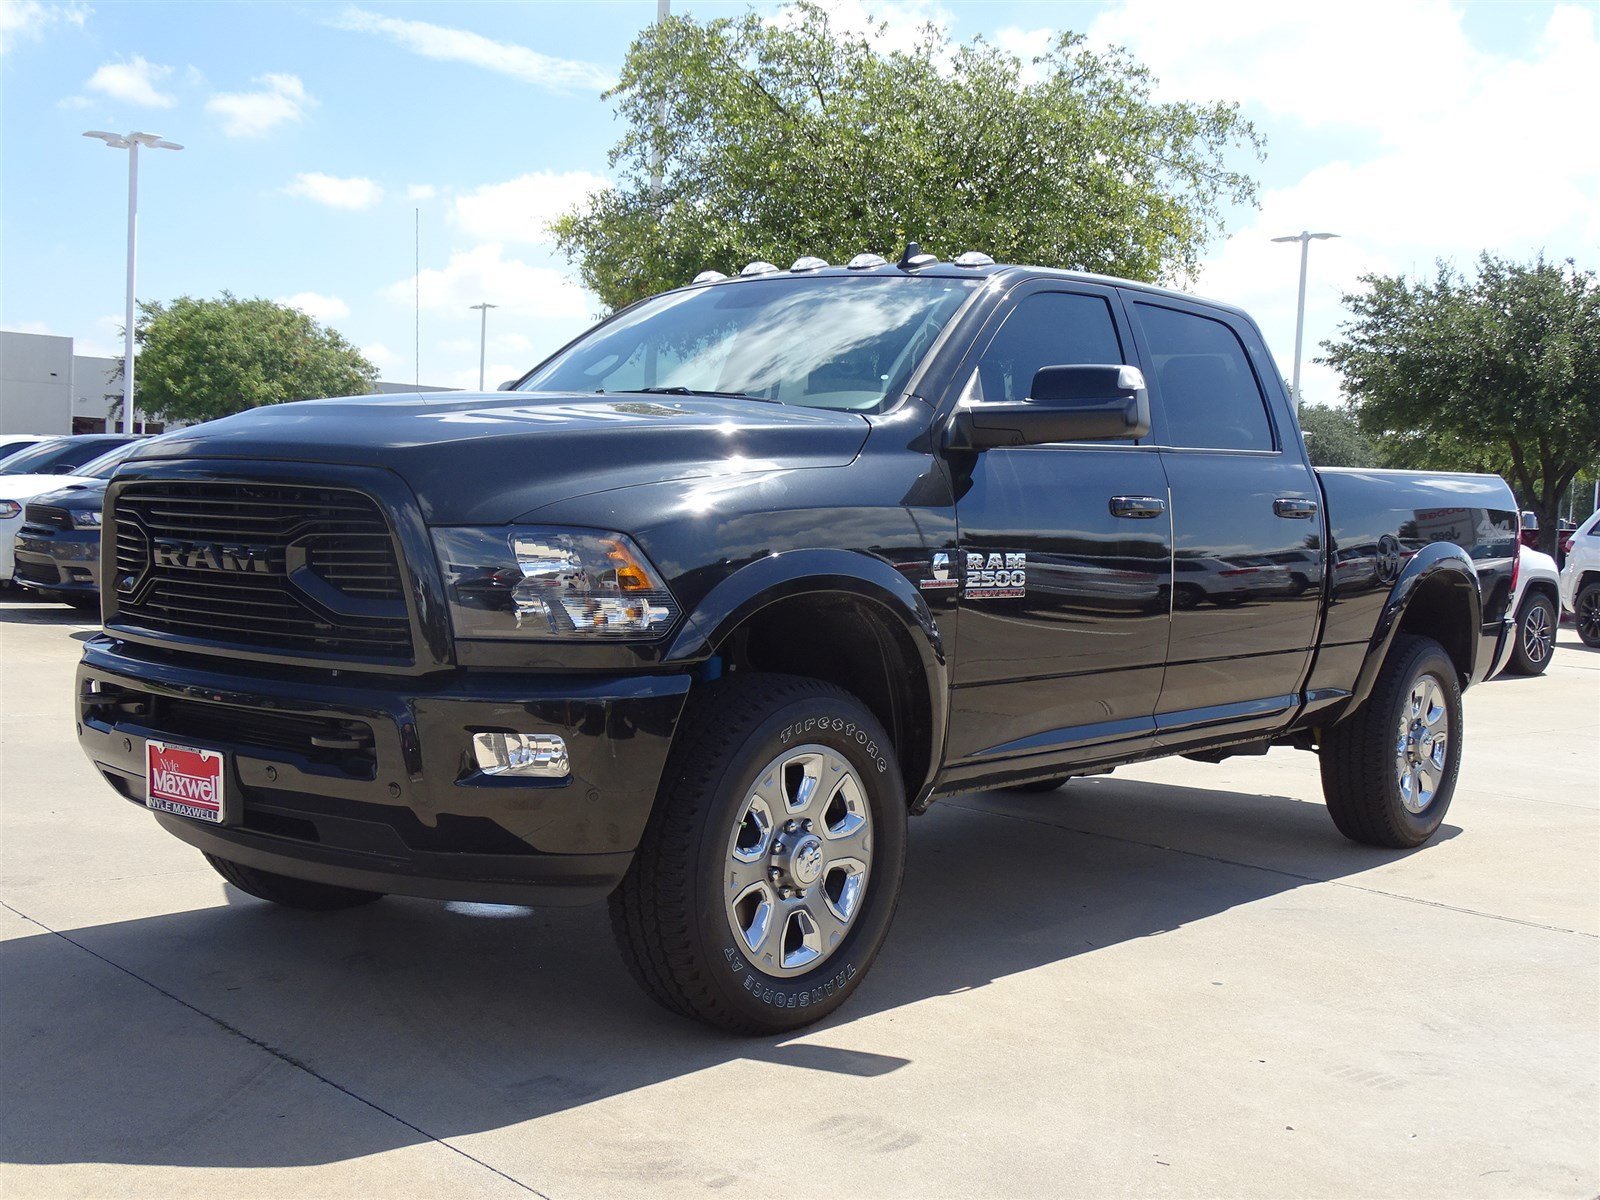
(1440, 565)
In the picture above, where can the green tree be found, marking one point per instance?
(200, 359)
(1334, 437)
(1498, 372)
(778, 138)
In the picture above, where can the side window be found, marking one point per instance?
(1047, 329)
(1209, 394)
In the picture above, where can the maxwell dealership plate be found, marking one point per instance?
(185, 781)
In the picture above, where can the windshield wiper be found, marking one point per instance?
(680, 390)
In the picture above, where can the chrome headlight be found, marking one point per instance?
(85, 519)
(523, 581)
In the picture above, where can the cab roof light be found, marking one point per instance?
(758, 268)
(809, 263)
(863, 262)
(914, 258)
(709, 277)
(974, 258)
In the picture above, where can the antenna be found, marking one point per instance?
(416, 282)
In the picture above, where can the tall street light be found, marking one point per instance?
(1305, 239)
(483, 336)
(131, 143)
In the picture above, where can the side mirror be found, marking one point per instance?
(1067, 404)
(508, 386)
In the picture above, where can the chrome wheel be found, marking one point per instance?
(799, 860)
(1422, 745)
(1538, 634)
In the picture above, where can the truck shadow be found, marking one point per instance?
(461, 1019)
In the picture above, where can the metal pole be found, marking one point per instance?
(1300, 318)
(130, 410)
(663, 11)
(483, 337)
(1305, 238)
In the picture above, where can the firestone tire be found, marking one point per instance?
(288, 891)
(677, 915)
(1536, 636)
(1586, 614)
(1387, 776)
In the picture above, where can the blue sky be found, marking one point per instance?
(313, 132)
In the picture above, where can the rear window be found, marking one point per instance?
(1208, 391)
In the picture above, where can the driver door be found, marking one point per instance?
(1067, 550)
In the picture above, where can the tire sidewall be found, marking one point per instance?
(1525, 664)
(1577, 608)
(851, 731)
(1432, 660)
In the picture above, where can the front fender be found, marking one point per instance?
(824, 572)
(1440, 563)
(809, 572)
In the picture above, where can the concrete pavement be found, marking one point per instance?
(1175, 980)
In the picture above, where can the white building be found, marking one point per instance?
(46, 388)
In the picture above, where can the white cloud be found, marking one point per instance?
(354, 194)
(463, 46)
(133, 82)
(903, 21)
(485, 273)
(280, 98)
(1444, 148)
(20, 19)
(381, 357)
(74, 102)
(318, 307)
(1026, 44)
(521, 209)
(421, 191)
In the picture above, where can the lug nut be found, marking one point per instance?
(777, 847)
(785, 893)
(806, 825)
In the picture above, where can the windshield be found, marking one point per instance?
(106, 464)
(821, 342)
(37, 459)
(59, 456)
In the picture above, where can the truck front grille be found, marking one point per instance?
(304, 571)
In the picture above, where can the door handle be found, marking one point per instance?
(1137, 507)
(1294, 508)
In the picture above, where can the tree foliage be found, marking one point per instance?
(779, 138)
(1334, 437)
(200, 359)
(1499, 372)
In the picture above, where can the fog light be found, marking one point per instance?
(541, 755)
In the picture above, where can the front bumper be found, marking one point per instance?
(373, 784)
(56, 560)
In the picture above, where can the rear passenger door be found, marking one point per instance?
(1246, 528)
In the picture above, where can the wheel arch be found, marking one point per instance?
(1436, 595)
(843, 617)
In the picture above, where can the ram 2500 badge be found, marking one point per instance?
(714, 599)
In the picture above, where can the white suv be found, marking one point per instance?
(1580, 581)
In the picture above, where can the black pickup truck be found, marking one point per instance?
(700, 610)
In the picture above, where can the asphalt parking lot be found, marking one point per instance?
(1177, 980)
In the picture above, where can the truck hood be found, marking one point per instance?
(490, 458)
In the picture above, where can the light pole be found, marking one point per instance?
(1305, 239)
(131, 143)
(483, 336)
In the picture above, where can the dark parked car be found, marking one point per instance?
(697, 615)
(57, 550)
(63, 455)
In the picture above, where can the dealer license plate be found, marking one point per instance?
(185, 781)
